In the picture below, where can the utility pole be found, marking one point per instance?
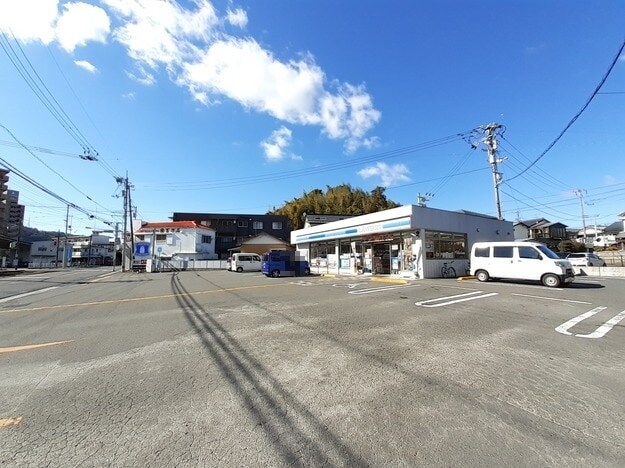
(491, 142)
(580, 194)
(115, 244)
(422, 199)
(124, 181)
(58, 241)
(64, 263)
(132, 234)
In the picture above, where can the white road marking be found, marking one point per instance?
(606, 327)
(19, 296)
(347, 285)
(552, 299)
(20, 279)
(464, 297)
(574, 321)
(382, 289)
(100, 277)
(301, 283)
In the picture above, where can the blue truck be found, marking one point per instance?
(284, 263)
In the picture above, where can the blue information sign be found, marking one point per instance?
(142, 249)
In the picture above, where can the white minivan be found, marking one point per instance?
(245, 262)
(520, 261)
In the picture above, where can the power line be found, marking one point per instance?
(43, 150)
(43, 93)
(41, 187)
(46, 99)
(52, 169)
(107, 167)
(276, 176)
(588, 101)
(548, 178)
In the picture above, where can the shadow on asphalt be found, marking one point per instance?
(291, 428)
(577, 284)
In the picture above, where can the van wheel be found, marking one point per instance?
(551, 281)
(482, 275)
(275, 273)
(240, 270)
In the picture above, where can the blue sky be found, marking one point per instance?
(237, 107)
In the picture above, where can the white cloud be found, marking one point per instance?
(162, 32)
(388, 174)
(144, 77)
(80, 23)
(40, 20)
(192, 46)
(29, 20)
(293, 92)
(86, 66)
(200, 57)
(130, 96)
(237, 17)
(276, 144)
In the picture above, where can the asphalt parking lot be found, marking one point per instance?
(220, 368)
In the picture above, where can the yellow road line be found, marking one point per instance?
(137, 299)
(12, 349)
(8, 422)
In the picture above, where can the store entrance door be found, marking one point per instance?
(382, 258)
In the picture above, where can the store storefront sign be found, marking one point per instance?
(357, 231)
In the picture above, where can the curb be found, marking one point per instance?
(465, 278)
(389, 280)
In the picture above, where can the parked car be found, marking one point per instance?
(585, 259)
(520, 261)
(240, 262)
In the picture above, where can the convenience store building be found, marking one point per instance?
(408, 241)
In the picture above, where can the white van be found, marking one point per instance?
(520, 261)
(245, 262)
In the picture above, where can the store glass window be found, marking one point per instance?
(445, 245)
(345, 254)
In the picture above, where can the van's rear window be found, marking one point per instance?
(502, 252)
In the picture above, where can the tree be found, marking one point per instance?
(340, 200)
(571, 246)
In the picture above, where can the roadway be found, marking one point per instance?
(216, 368)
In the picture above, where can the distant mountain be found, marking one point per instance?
(33, 234)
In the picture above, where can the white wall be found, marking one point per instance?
(184, 244)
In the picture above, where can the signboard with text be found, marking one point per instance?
(142, 249)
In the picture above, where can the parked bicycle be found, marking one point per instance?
(447, 271)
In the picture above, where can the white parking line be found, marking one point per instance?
(606, 327)
(464, 297)
(574, 321)
(103, 276)
(552, 299)
(346, 285)
(19, 296)
(382, 289)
